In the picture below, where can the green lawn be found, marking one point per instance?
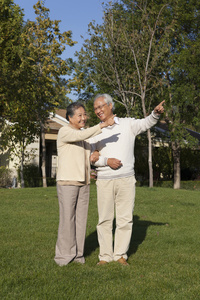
(164, 255)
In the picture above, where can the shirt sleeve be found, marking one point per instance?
(141, 125)
(68, 134)
(102, 162)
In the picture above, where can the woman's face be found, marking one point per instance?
(79, 118)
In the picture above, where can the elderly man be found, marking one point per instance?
(116, 178)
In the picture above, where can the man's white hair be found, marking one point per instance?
(108, 99)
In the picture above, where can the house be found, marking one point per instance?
(162, 128)
(52, 126)
(54, 123)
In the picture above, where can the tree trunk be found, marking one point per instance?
(43, 158)
(177, 165)
(150, 158)
(22, 169)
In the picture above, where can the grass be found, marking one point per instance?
(164, 252)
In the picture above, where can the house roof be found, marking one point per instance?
(195, 134)
(163, 128)
(61, 112)
(56, 121)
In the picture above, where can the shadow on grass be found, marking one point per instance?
(139, 233)
(91, 243)
(138, 236)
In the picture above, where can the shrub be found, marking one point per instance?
(186, 185)
(5, 177)
(51, 181)
(32, 176)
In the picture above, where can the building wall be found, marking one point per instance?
(13, 164)
(56, 121)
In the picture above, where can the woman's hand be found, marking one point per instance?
(108, 122)
(94, 156)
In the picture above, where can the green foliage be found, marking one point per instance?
(163, 162)
(32, 176)
(182, 80)
(190, 164)
(190, 185)
(51, 181)
(44, 45)
(123, 55)
(32, 82)
(141, 158)
(163, 254)
(16, 137)
(11, 22)
(5, 177)
(137, 51)
(185, 185)
(145, 52)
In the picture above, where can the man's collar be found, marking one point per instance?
(116, 119)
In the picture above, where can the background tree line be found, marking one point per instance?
(145, 52)
(142, 53)
(31, 76)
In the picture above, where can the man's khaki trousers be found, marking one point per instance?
(115, 198)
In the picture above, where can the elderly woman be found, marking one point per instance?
(73, 179)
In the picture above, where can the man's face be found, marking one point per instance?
(102, 109)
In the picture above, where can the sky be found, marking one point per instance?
(75, 15)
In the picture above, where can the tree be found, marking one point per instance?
(182, 81)
(20, 136)
(38, 85)
(134, 55)
(123, 56)
(17, 126)
(45, 44)
(11, 23)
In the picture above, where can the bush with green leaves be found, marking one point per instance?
(5, 177)
(32, 176)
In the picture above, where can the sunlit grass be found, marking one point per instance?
(164, 252)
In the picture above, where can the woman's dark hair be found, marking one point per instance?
(72, 108)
